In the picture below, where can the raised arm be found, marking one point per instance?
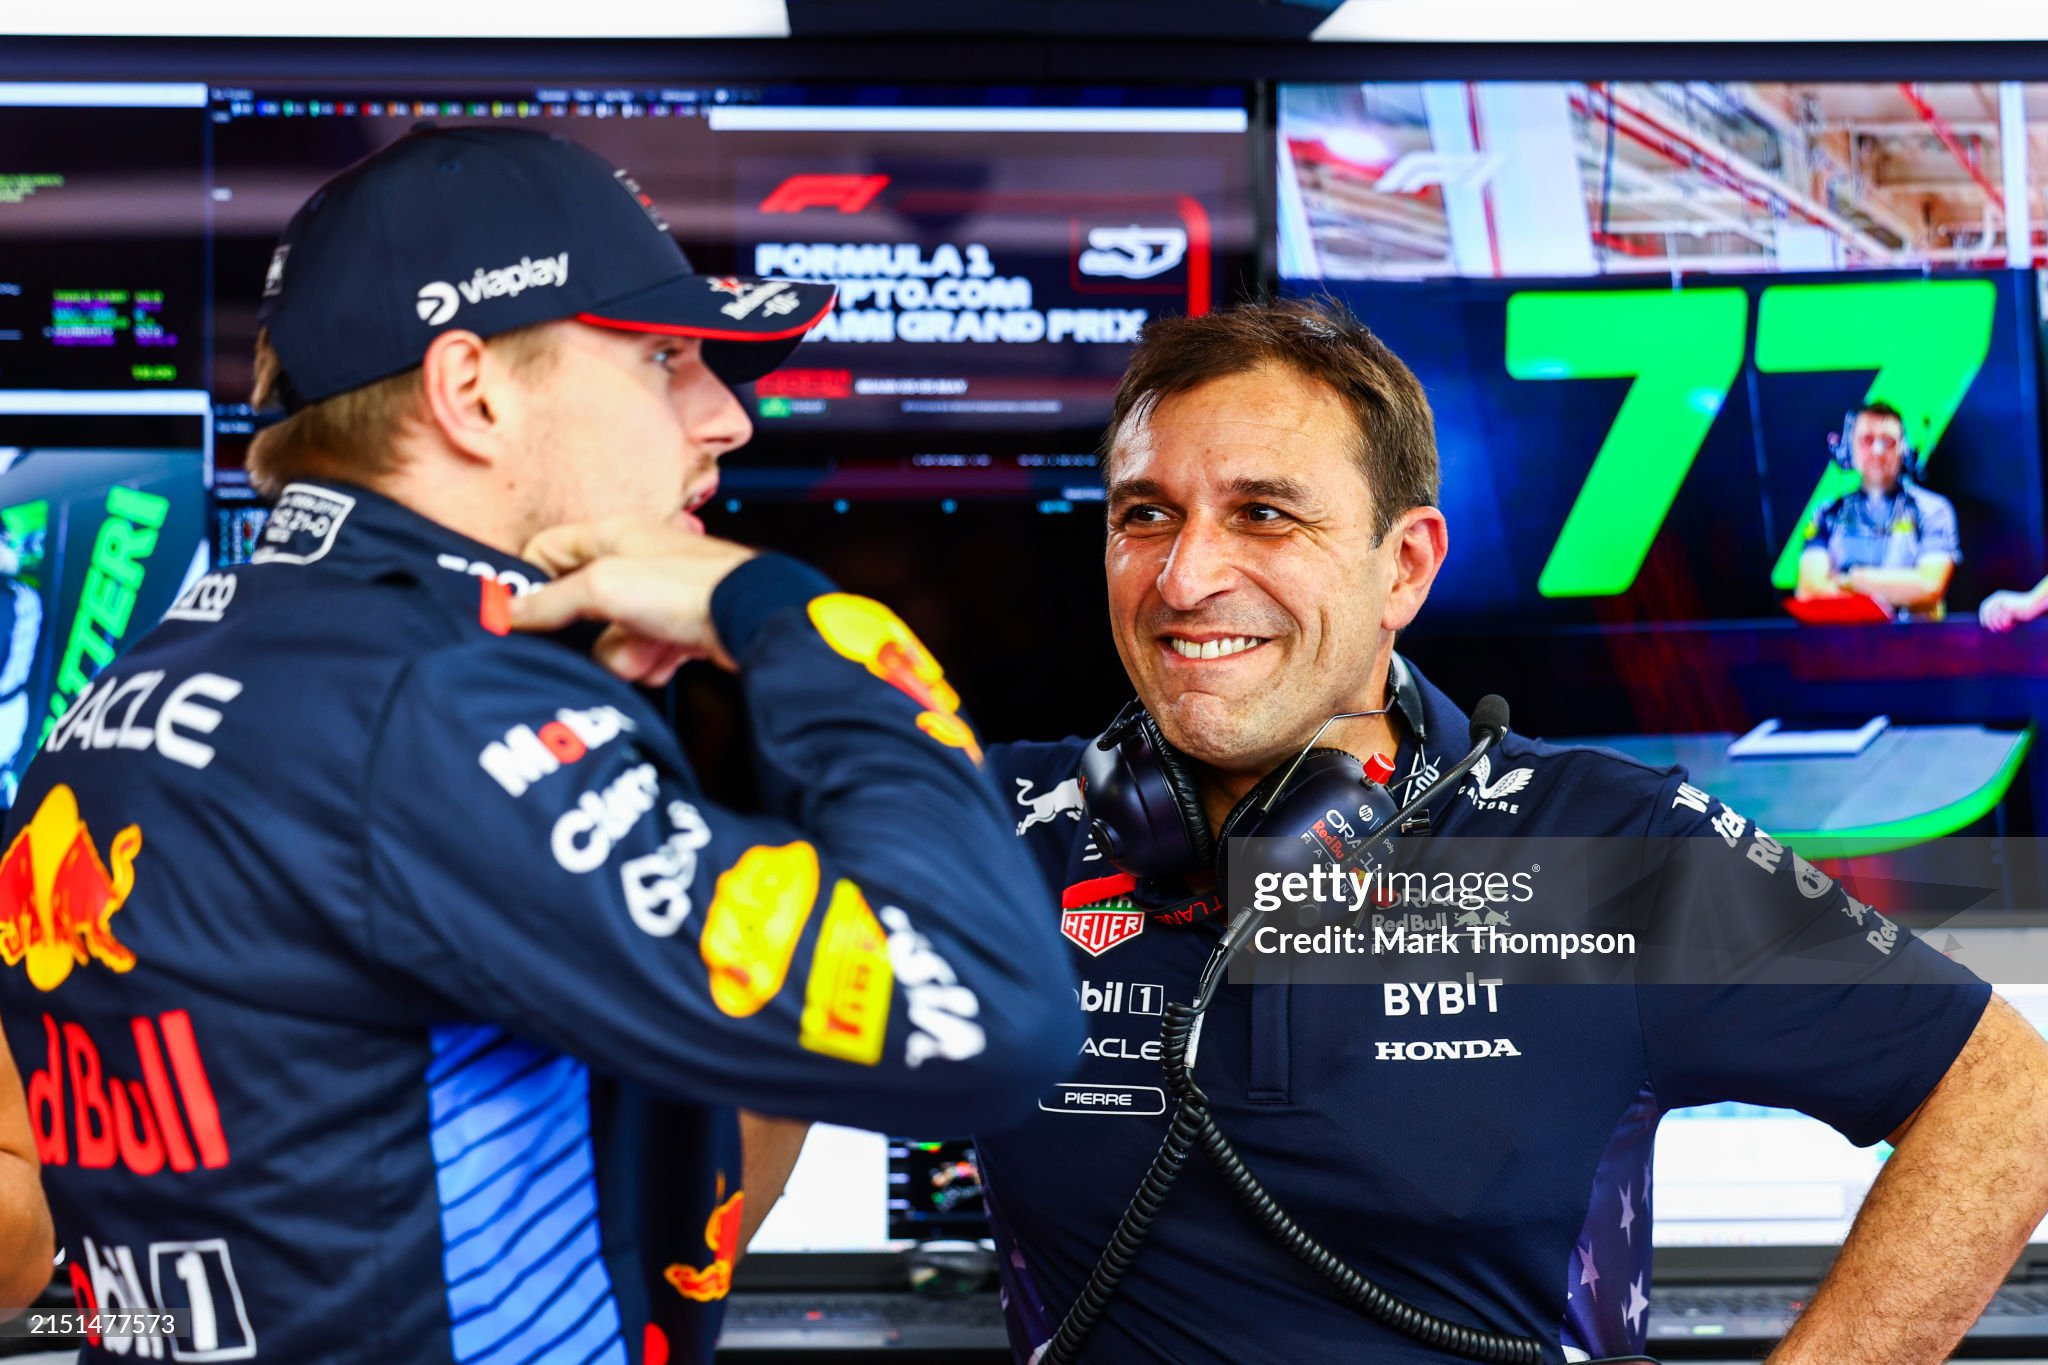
(870, 951)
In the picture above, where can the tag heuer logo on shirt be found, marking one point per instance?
(1096, 929)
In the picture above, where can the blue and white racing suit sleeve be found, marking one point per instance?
(873, 951)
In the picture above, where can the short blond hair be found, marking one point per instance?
(353, 435)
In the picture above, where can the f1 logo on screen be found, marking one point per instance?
(847, 193)
(1927, 339)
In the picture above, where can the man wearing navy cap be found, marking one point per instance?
(391, 983)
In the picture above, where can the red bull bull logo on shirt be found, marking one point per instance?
(57, 897)
(708, 1284)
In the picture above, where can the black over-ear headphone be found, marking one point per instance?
(1143, 807)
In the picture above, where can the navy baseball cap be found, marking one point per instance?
(489, 229)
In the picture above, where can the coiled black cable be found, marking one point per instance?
(1192, 1123)
(1124, 1243)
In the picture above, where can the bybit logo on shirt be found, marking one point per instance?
(437, 302)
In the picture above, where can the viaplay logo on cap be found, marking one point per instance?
(438, 301)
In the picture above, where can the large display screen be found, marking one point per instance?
(1634, 451)
(996, 251)
(1531, 179)
(103, 244)
(1739, 398)
(1646, 313)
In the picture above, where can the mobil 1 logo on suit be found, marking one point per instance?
(1121, 997)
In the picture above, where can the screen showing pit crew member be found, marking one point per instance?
(1888, 540)
(1602, 478)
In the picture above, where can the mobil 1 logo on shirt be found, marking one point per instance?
(1121, 997)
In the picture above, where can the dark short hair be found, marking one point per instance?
(1321, 340)
(1880, 408)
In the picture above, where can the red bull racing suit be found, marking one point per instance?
(384, 983)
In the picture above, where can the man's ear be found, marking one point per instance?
(1419, 538)
(463, 395)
